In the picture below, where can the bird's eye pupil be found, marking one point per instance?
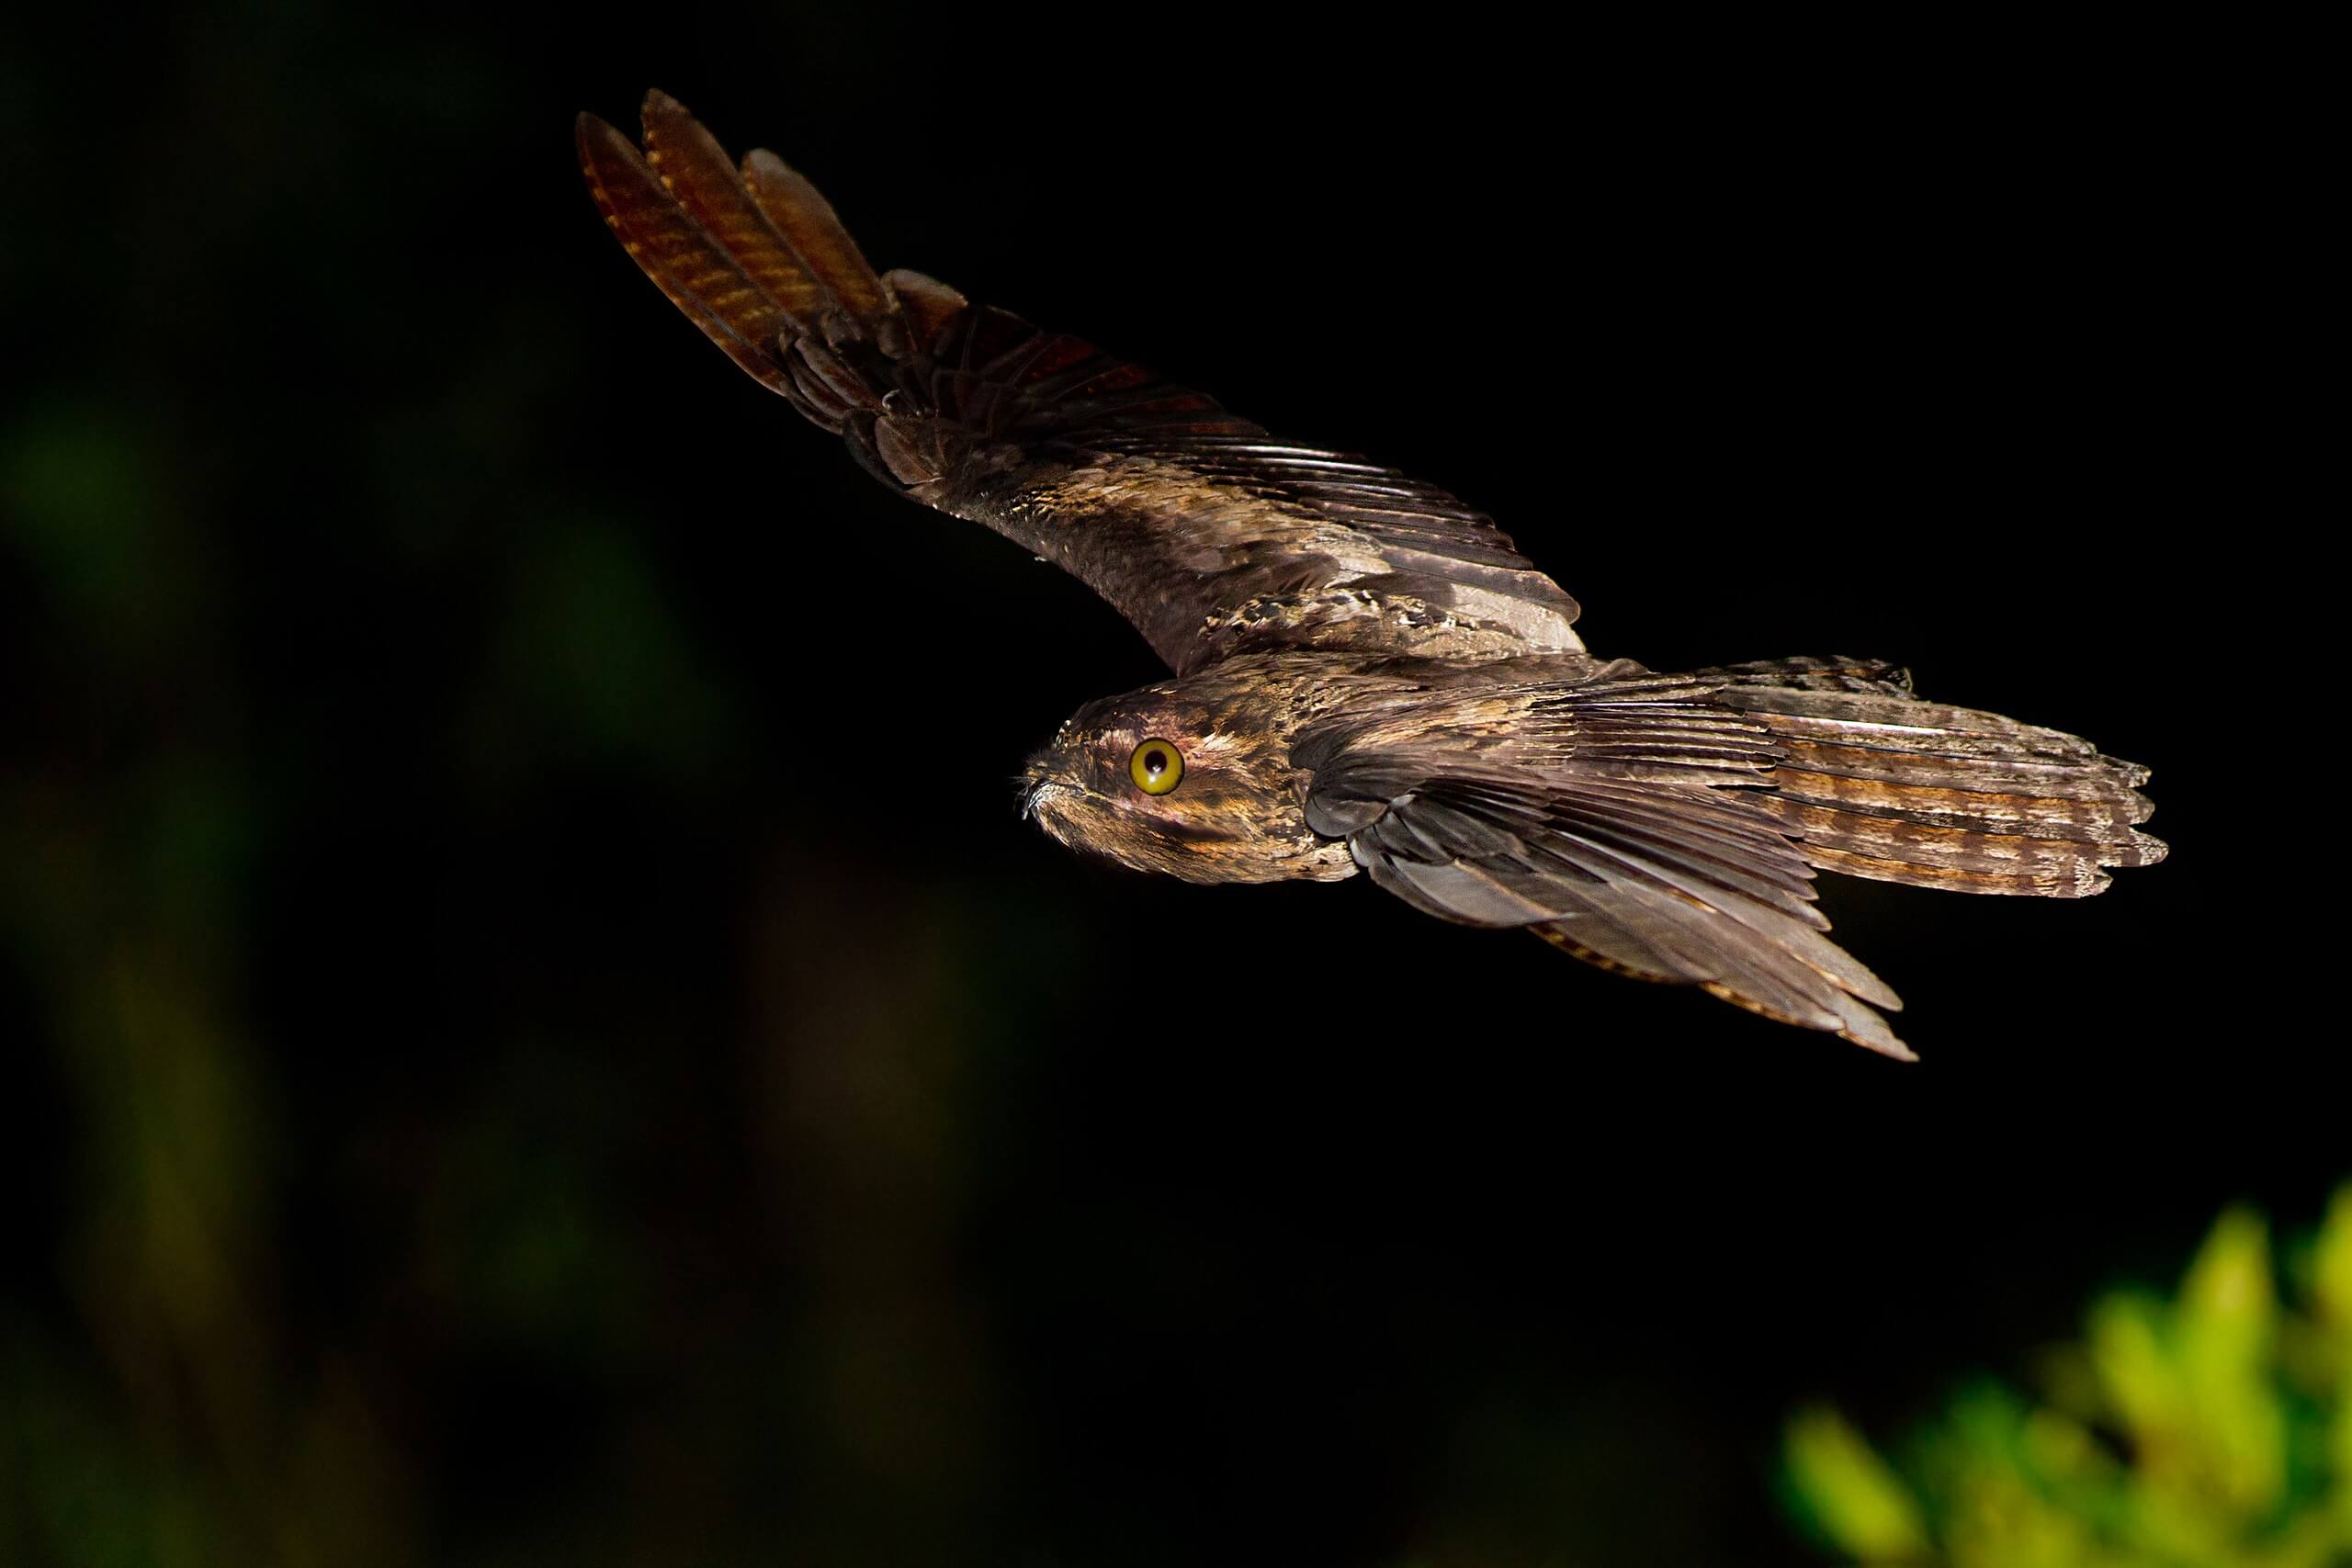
(1156, 766)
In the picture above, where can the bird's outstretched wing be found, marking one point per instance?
(1668, 826)
(1620, 818)
(1210, 535)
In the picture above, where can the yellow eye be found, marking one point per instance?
(1156, 767)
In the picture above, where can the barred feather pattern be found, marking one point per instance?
(1610, 810)
(1212, 535)
(1874, 783)
(1453, 732)
(1669, 826)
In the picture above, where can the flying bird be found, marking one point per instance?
(1366, 674)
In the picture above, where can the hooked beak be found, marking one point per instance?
(1035, 782)
(1051, 800)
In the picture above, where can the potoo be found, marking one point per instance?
(1366, 674)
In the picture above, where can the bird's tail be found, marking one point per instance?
(1875, 783)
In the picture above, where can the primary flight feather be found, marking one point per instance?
(1368, 675)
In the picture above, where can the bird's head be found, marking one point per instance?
(1162, 781)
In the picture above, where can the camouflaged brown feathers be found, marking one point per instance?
(1367, 674)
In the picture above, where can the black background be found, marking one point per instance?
(537, 1034)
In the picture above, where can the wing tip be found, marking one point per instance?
(591, 132)
(666, 120)
(771, 165)
(1846, 1016)
(1865, 1028)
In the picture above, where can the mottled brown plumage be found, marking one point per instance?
(1368, 674)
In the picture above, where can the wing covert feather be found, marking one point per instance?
(1623, 821)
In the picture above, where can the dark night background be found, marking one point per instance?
(534, 1032)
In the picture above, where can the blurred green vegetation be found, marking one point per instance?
(2210, 1427)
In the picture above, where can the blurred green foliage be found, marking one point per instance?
(2213, 1426)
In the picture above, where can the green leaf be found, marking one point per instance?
(1854, 1497)
(2332, 1261)
(2227, 1330)
(2126, 1345)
